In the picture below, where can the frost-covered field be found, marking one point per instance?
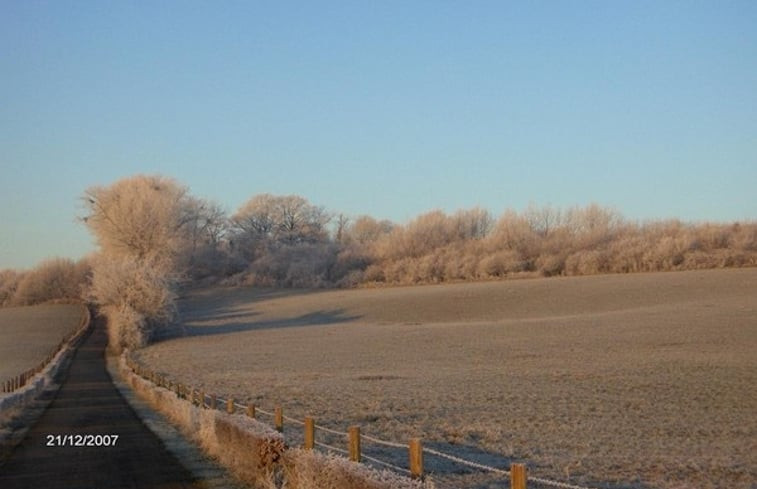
(643, 380)
(27, 334)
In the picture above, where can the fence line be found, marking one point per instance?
(18, 381)
(561, 485)
(257, 409)
(384, 442)
(517, 472)
(329, 430)
(388, 465)
(333, 448)
(469, 463)
(295, 421)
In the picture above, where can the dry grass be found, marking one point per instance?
(643, 380)
(255, 453)
(308, 469)
(27, 334)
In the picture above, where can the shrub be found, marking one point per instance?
(587, 262)
(501, 263)
(9, 280)
(550, 265)
(54, 279)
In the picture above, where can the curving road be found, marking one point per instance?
(89, 403)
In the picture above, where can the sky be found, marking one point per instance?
(384, 108)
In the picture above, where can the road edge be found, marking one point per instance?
(207, 471)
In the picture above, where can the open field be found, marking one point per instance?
(27, 334)
(642, 380)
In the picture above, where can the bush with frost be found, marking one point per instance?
(55, 279)
(136, 296)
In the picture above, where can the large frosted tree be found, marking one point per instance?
(144, 226)
(147, 218)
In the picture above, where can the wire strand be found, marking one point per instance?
(378, 441)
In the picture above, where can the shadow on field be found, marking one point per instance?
(318, 318)
(226, 303)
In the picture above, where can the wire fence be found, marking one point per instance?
(390, 451)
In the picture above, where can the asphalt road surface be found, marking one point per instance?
(89, 404)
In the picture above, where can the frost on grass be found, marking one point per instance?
(640, 379)
(247, 447)
(307, 469)
(258, 455)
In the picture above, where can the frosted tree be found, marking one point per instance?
(145, 226)
(143, 217)
(288, 219)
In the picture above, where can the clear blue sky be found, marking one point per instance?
(382, 108)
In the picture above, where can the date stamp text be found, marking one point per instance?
(81, 440)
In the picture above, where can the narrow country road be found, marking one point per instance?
(88, 403)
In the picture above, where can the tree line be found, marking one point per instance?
(155, 238)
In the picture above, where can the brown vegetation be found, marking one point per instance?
(549, 242)
(56, 279)
(155, 237)
(308, 469)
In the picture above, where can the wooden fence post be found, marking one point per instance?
(213, 401)
(309, 433)
(354, 433)
(416, 458)
(517, 476)
(278, 419)
(251, 410)
(230, 405)
(202, 399)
